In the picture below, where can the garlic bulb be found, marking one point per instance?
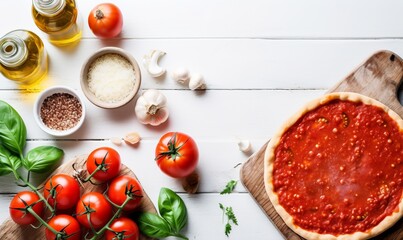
(151, 108)
(197, 82)
(181, 75)
(150, 62)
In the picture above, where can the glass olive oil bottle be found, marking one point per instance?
(59, 19)
(23, 57)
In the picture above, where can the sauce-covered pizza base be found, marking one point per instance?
(338, 168)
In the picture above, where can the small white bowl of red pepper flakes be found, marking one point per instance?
(59, 111)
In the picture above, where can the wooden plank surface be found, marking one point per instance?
(188, 111)
(378, 77)
(237, 18)
(261, 63)
(10, 230)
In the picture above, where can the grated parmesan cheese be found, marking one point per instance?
(111, 78)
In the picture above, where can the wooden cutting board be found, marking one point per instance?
(11, 231)
(379, 77)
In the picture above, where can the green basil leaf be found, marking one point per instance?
(42, 158)
(13, 132)
(8, 162)
(172, 209)
(153, 225)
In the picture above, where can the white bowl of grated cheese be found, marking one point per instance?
(110, 78)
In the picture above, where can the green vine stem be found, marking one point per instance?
(43, 222)
(101, 167)
(88, 179)
(116, 215)
(35, 189)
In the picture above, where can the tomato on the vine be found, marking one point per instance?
(65, 224)
(123, 228)
(122, 186)
(177, 154)
(97, 206)
(107, 160)
(18, 207)
(105, 20)
(62, 191)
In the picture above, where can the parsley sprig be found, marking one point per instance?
(229, 187)
(229, 213)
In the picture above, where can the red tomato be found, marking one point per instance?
(65, 224)
(177, 154)
(19, 215)
(123, 185)
(105, 20)
(109, 161)
(99, 208)
(62, 191)
(123, 228)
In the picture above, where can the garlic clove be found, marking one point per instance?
(116, 140)
(244, 145)
(181, 75)
(197, 82)
(150, 62)
(132, 138)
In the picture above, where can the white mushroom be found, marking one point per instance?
(150, 62)
(197, 82)
(181, 75)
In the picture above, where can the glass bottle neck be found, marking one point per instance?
(13, 51)
(49, 7)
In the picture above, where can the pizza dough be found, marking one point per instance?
(335, 169)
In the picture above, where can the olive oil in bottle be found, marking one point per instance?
(23, 57)
(59, 19)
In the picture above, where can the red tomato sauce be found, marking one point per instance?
(339, 168)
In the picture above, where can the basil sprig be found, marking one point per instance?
(172, 220)
(13, 133)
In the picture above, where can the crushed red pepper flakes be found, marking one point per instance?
(61, 111)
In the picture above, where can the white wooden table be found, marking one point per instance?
(262, 59)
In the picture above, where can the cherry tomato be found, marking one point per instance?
(17, 206)
(100, 210)
(109, 161)
(123, 228)
(105, 20)
(65, 224)
(177, 154)
(123, 185)
(62, 191)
